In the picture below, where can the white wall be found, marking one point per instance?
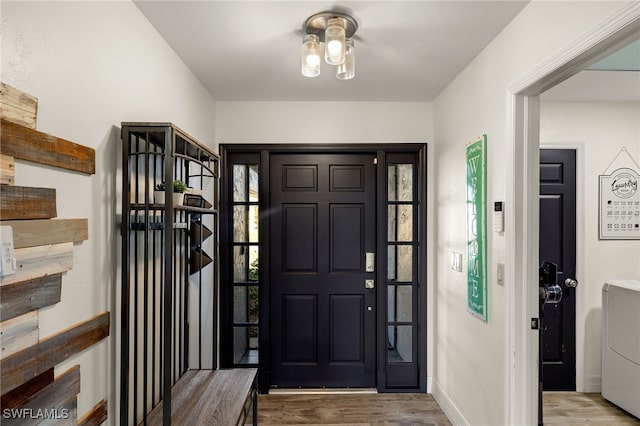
(324, 122)
(598, 131)
(470, 369)
(93, 65)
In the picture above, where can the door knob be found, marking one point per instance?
(570, 282)
(369, 308)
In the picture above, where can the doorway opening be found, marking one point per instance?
(323, 277)
(523, 230)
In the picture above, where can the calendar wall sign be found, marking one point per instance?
(620, 205)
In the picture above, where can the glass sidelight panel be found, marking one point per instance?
(246, 276)
(245, 263)
(400, 222)
(240, 231)
(240, 264)
(400, 343)
(246, 221)
(400, 263)
(240, 304)
(400, 182)
(240, 182)
(253, 183)
(400, 303)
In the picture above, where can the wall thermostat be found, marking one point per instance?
(498, 216)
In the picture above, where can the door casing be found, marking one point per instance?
(419, 150)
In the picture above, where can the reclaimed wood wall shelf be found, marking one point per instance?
(95, 416)
(48, 231)
(18, 106)
(21, 202)
(43, 251)
(59, 395)
(19, 298)
(29, 144)
(7, 170)
(22, 366)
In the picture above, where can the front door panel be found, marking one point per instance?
(322, 220)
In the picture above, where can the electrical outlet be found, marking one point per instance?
(456, 261)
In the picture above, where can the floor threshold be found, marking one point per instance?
(321, 391)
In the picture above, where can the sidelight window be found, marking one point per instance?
(401, 263)
(246, 263)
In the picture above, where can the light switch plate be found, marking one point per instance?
(500, 274)
(456, 261)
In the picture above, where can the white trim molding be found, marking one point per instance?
(521, 232)
(448, 406)
(593, 384)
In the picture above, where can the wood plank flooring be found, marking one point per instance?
(573, 409)
(350, 409)
(560, 408)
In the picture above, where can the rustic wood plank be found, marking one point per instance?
(47, 231)
(193, 382)
(18, 106)
(22, 393)
(33, 273)
(41, 256)
(31, 145)
(7, 170)
(58, 399)
(28, 363)
(18, 333)
(353, 409)
(19, 298)
(96, 416)
(20, 202)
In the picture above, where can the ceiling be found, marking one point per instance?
(250, 50)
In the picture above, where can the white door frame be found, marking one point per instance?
(522, 212)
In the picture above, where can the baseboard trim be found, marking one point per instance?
(429, 384)
(447, 405)
(593, 384)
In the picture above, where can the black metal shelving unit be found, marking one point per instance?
(169, 266)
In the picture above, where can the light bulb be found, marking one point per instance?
(334, 37)
(347, 70)
(313, 60)
(311, 53)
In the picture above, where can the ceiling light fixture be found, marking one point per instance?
(335, 30)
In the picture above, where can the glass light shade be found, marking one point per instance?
(311, 56)
(334, 38)
(347, 70)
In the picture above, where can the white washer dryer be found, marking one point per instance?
(621, 344)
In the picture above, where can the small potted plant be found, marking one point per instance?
(178, 192)
(158, 193)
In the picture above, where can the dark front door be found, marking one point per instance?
(558, 245)
(322, 220)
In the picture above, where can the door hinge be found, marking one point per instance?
(535, 323)
(375, 160)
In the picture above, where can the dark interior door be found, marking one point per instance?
(558, 245)
(322, 220)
